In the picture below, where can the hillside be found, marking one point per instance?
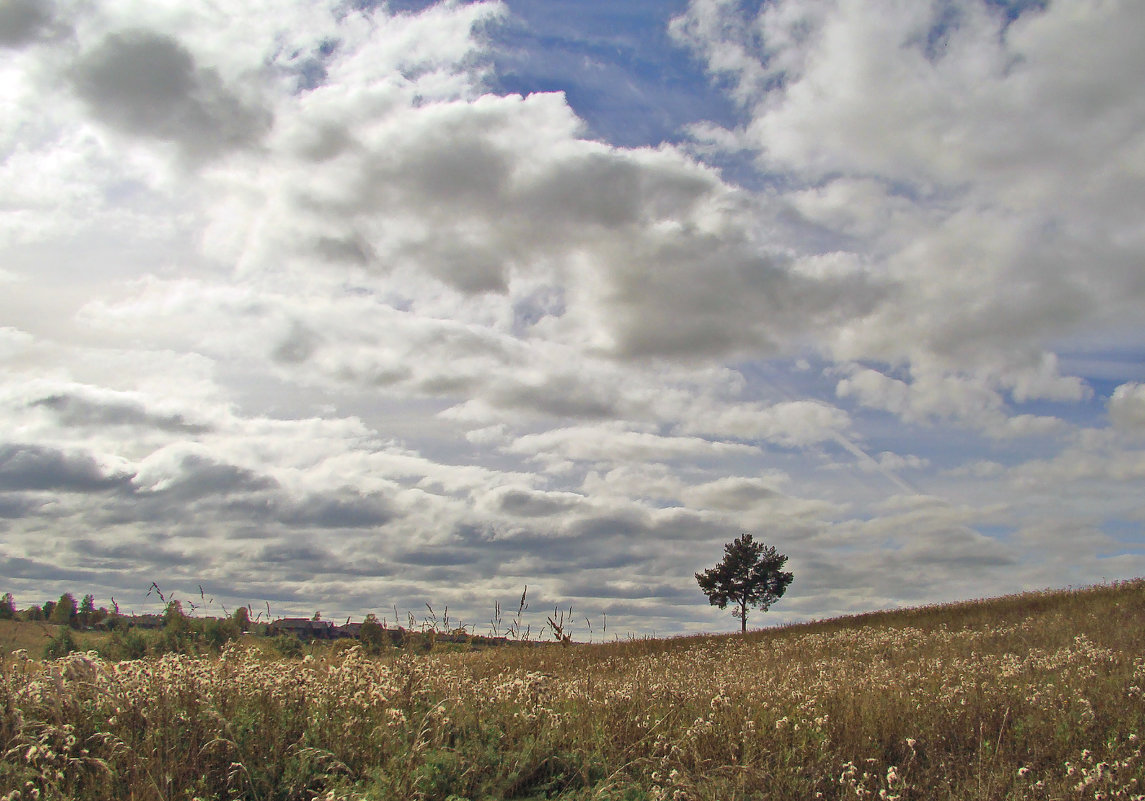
(1030, 696)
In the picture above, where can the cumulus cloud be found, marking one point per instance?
(36, 467)
(612, 444)
(790, 424)
(147, 84)
(302, 305)
(100, 412)
(23, 21)
(1127, 407)
(953, 143)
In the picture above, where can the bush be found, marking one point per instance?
(127, 644)
(288, 646)
(372, 635)
(217, 633)
(61, 645)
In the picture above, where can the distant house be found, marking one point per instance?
(304, 628)
(352, 630)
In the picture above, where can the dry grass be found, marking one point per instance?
(16, 635)
(1036, 696)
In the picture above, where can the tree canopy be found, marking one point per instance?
(751, 574)
(64, 610)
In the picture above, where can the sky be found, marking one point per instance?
(345, 306)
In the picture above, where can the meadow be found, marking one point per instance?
(1034, 696)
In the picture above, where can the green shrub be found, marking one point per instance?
(216, 633)
(126, 644)
(288, 645)
(60, 645)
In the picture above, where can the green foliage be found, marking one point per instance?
(178, 636)
(218, 632)
(371, 635)
(60, 645)
(241, 618)
(173, 615)
(65, 610)
(751, 574)
(288, 646)
(87, 611)
(129, 643)
(7, 607)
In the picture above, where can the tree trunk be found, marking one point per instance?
(743, 617)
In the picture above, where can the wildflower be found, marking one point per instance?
(1023, 771)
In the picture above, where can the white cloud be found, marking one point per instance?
(1127, 407)
(983, 167)
(894, 462)
(307, 308)
(790, 424)
(976, 400)
(609, 444)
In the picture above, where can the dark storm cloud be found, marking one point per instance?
(609, 526)
(148, 554)
(21, 568)
(559, 395)
(23, 21)
(301, 561)
(297, 346)
(438, 556)
(201, 476)
(628, 590)
(699, 296)
(333, 510)
(73, 410)
(37, 467)
(609, 190)
(536, 504)
(16, 506)
(347, 510)
(146, 84)
(348, 249)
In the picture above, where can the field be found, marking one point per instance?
(1035, 696)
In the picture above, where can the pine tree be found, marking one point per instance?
(751, 574)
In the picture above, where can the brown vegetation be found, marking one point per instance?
(1036, 696)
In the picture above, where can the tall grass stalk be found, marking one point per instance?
(1038, 696)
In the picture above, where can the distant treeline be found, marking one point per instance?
(130, 636)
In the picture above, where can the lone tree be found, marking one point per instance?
(751, 574)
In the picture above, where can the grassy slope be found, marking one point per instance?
(1030, 696)
(34, 636)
